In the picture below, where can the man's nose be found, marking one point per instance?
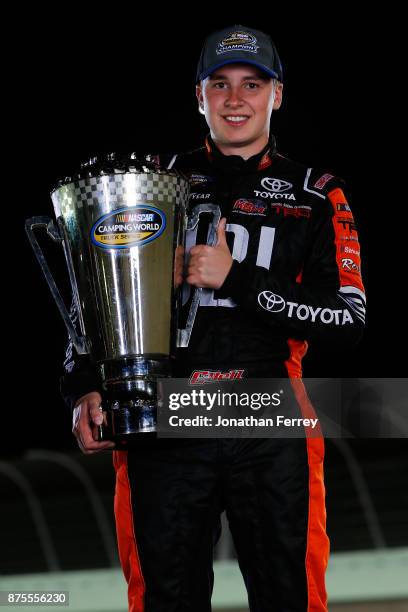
(234, 97)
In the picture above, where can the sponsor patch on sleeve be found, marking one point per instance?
(323, 180)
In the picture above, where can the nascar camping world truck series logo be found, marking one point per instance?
(238, 41)
(126, 227)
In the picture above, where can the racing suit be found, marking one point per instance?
(295, 277)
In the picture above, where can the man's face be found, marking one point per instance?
(237, 103)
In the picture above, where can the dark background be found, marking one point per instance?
(122, 81)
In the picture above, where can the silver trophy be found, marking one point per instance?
(121, 222)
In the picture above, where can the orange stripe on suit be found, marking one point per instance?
(318, 544)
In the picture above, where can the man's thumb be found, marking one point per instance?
(221, 237)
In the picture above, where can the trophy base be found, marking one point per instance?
(133, 416)
(131, 397)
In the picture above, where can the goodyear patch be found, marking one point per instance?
(127, 227)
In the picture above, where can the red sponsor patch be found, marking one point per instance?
(201, 377)
(290, 211)
(321, 182)
(249, 207)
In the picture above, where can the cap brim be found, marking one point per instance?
(209, 71)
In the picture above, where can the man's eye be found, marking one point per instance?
(220, 83)
(252, 85)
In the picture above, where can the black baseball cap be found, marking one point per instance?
(239, 44)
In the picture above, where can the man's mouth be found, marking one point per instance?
(236, 120)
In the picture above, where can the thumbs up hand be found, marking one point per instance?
(209, 265)
(221, 236)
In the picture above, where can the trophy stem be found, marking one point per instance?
(130, 398)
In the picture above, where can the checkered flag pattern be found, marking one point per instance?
(112, 191)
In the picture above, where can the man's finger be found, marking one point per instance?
(89, 444)
(199, 249)
(221, 235)
(96, 414)
(102, 446)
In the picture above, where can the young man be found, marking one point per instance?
(279, 274)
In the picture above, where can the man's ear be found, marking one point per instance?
(278, 95)
(199, 94)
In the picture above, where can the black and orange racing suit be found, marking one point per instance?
(295, 276)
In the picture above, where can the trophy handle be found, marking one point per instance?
(183, 335)
(80, 342)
